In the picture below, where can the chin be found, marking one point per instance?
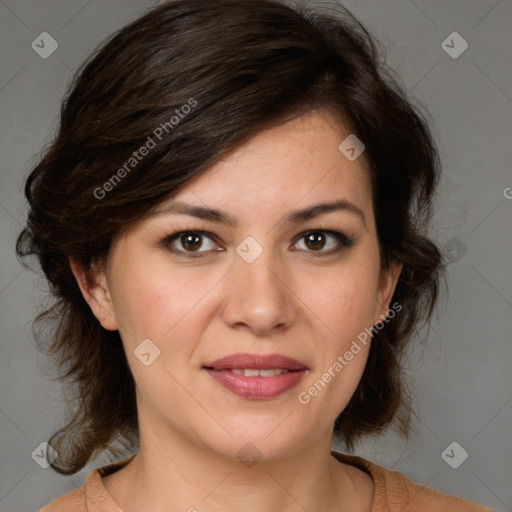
(253, 439)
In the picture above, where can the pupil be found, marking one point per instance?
(195, 242)
(314, 238)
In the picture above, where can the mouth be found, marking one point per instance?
(259, 362)
(249, 372)
(255, 376)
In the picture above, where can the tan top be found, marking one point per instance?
(393, 492)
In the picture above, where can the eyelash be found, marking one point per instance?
(345, 241)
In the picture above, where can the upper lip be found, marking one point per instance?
(256, 362)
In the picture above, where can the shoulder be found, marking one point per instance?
(395, 491)
(400, 491)
(73, 500)
(93, 491)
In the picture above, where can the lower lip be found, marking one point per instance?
(257, 388)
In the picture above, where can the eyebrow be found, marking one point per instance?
(295, 217)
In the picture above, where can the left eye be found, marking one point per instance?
(315, 241)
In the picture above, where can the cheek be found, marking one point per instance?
(160, 305)
(343, 301)
(345, 318)
(341, 312)
(166, 309)
(348, 315)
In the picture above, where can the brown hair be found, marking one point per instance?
(200, 78)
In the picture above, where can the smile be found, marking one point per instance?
(259, 373)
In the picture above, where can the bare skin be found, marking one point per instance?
(297, 299)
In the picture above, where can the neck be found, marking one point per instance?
(178, 475)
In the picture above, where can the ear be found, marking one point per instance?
(94, 288)
(387, 284)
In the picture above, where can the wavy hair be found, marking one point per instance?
(240, 66)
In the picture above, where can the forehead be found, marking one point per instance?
(285, 167)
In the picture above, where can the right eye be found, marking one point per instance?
(190, 242)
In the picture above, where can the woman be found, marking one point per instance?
(232, 219)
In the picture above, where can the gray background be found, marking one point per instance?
(463, 382)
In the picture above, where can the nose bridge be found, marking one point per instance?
(258, 294)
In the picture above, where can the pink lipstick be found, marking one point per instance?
(256, 376)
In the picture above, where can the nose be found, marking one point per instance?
(259, 296)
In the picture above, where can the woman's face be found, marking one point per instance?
(261, 286)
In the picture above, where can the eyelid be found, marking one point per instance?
(342, 238)
(344, 241)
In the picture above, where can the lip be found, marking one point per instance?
(256, 362)
(256, 388)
